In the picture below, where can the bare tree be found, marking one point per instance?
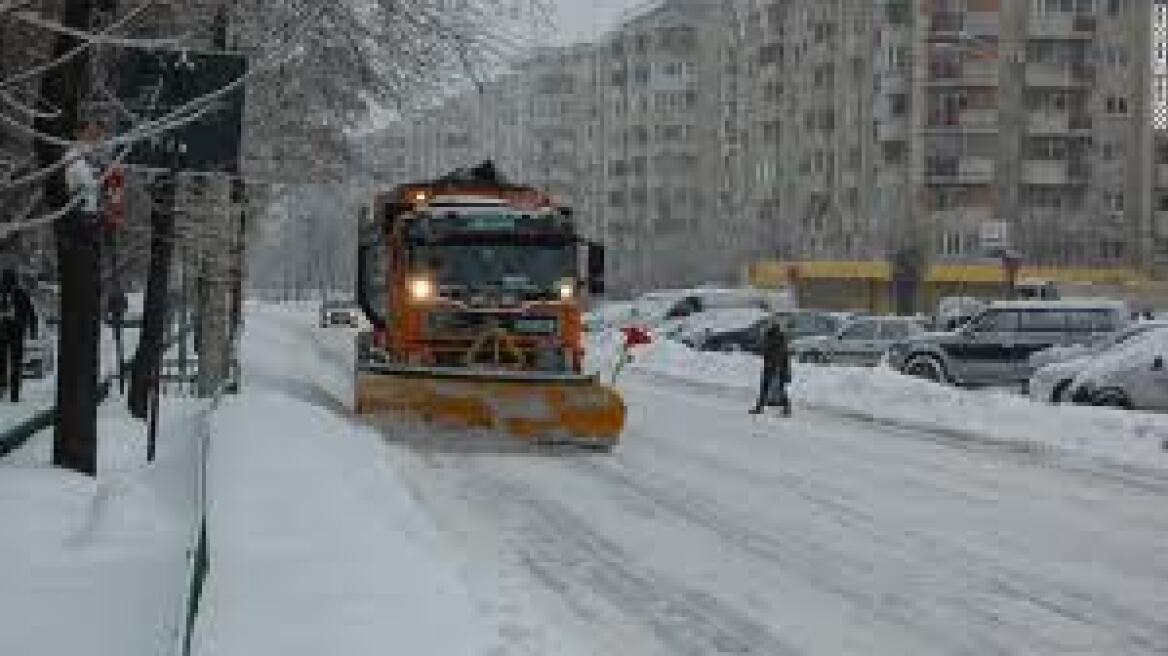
(316, 70)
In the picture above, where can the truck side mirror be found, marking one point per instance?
(1158, 363)
(595, 268)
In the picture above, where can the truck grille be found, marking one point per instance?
(468, 325)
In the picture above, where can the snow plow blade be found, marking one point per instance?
(553, 408)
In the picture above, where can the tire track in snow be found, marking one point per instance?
(1132, 626)
(794, 555)
(568, 556)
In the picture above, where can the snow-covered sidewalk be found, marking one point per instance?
(316, 547)
(1132, 438)
(98, 566)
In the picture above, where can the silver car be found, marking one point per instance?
(1056, 367)
(1133, 376)
(862, 341)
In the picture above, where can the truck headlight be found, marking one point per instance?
(421, 289)
(567, 289)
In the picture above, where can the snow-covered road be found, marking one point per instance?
(710, 531)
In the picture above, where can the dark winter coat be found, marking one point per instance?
(17, 316)
(776, 353)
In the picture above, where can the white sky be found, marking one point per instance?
(581, 20)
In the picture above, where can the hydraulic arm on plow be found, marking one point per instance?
(474, 287)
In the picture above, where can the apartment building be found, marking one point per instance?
(997, 128)
(661, 116)
(898, 137)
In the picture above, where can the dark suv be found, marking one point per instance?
(994, 347)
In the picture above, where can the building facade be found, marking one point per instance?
(911, 135)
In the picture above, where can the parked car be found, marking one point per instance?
(338, 313)
(862, 341)
(1133, 376)
(994, 348)
(662, 306)
(1055, 368)
(954, 311)
(798, 324)
(702, 327)
(1032, 289)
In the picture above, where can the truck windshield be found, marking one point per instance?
(535, 267)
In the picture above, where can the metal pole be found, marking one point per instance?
(152, 431)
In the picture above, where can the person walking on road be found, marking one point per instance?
(17, 318)
(776, 370)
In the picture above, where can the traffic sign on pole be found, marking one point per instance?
(156, 83)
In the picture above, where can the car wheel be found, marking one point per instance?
(1111, 398)
(926, 368)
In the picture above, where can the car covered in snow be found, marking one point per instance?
(666, 308)
(954, 311)
(1133, 376)
(748, 338)
(719, 330)
(994, 348)
(338, 313)
(862, 341)
(1056, 367)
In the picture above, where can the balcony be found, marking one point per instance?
(959, 170)
(1061, 76)
(891, 175)
(955, 26)
(967, 74)
(970, 215)
(1052, 172)
(1160, 223)
(968, 120)
(891, 130)
(1057, 123)
(1062, 26)
(980, 119)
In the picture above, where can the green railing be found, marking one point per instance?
(19, 435)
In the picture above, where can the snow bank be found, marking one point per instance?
(316, 546)
(97, 566)
(1129, 437)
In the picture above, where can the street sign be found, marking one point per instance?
(155, 83)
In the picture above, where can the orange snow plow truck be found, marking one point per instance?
(473, 288)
